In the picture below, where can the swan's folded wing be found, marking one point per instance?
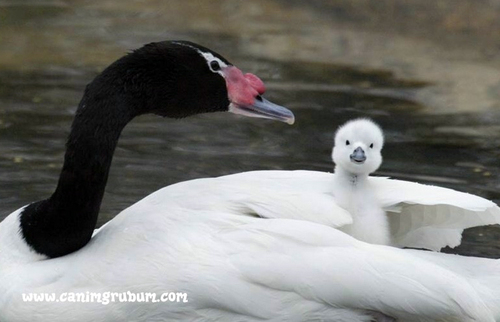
(316, 208)
(431, 217)
(302, 195)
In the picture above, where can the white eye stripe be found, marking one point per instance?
(208, 57)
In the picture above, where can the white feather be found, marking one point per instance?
(482, 273)
(431, 217)
(266, 194)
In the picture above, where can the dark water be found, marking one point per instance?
(440, 109)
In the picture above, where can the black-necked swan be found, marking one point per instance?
(189, 238)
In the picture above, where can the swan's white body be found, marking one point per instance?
(202, 237)
(235, 267)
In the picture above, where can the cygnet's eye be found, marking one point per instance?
(214, 65)
(347, 142)
(371, 145)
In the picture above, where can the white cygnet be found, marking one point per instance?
(356, 154)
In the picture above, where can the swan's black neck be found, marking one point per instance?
(65, 222)
(168, 79)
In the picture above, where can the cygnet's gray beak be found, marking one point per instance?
(358, 156)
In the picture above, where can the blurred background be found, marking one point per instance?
(427, 71)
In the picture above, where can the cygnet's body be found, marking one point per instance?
(356, 154)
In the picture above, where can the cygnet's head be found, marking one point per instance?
(358, 146)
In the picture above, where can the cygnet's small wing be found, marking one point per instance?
(425, 216)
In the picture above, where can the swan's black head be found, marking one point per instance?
(180, 78)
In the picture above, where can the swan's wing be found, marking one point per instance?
(482, 273)
(431, 217)
(268, 194)
(297, 194)
(328, 266)
(289, 195)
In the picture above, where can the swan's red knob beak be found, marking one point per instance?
(245, 92)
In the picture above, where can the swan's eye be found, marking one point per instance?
(214, 65)
(371, 145)
(347, 142)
